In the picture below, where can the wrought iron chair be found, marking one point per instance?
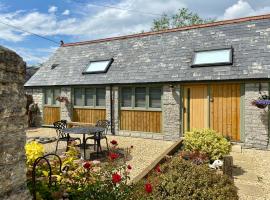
(104, 124)
(63, 137)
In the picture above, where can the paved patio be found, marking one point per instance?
(144, 151)
(252, 174)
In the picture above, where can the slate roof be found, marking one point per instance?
(164, 56)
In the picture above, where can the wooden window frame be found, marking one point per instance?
(147, 103)
(52, 94)
(84, 100)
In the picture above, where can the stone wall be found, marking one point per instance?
(256, 120)
(171, 111)
(66, 108)
(37, 94)
(12, 127)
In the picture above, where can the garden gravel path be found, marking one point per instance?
(144, 151)
(252, 174)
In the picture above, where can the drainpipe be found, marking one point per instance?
(111, 111)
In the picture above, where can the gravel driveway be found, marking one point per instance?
(252, 174)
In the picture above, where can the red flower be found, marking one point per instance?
(158, 169)
(114, 142)
(129, 167)
(87, 165)
(113, 156)
(148, 187)
(116, 178)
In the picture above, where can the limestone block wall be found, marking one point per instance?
(116, 108)
(66, 108)
(12, 127)
(256, 120)
(37, 94)
(171, 111)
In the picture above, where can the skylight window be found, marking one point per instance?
(99, 66)
(213, 57)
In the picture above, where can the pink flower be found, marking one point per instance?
(116, 178)
(96, 162)
(148, 187)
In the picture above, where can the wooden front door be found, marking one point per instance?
(51, 114)
(225, 109)
(195, 107)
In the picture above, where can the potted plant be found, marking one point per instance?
(62, 99)
(262, 102)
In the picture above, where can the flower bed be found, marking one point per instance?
(181, 179)
(185, 175)
(78, 179)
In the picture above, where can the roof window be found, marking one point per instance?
(98, 66)
(212, 57)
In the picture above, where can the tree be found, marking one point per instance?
(184, 17)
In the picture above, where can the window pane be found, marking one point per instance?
(78, 97)
(140, 94)
(48, 97)
(126, 97)
(56, 93)
(89, 97)
(100, 101)
(155, 97)
(97, 66)
(211, 57)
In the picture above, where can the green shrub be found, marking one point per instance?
(207, 141)
(180, 179)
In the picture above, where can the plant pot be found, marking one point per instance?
(261, 106)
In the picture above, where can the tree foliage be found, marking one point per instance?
(184, 17)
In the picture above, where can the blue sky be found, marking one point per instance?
(78, 20)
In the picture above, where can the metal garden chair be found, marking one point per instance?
(63, 137)
(98, 137)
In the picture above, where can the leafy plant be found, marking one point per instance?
(207, 141)
(33, 150)
(181, 179)
(184, 17)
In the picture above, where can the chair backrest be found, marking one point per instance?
(59, 126)
(104, 124)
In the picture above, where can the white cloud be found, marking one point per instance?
(95, 23)
(52, 9)
(34, 56)
(66, 12)
(243, 9)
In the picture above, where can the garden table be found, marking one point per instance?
(85, 130)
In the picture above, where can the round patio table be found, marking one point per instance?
(85, 130)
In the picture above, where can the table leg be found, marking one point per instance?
(68, 138)
(84, 147)
(98, 144)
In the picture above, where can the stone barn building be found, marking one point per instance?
(161, 84)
